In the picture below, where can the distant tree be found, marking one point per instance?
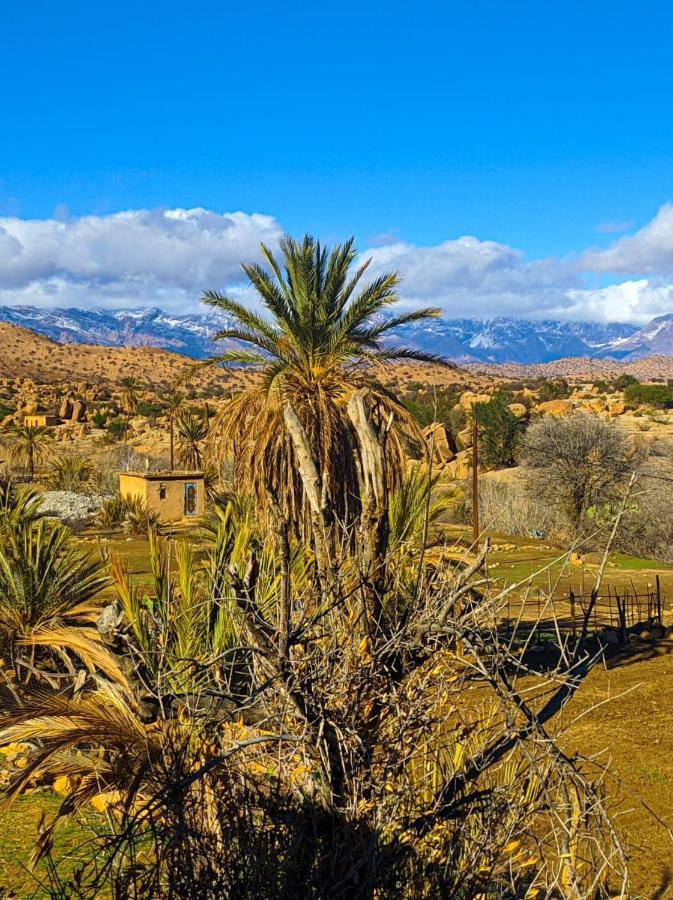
(499, 432)
(174, 404)
(577, 463)
(192, 431)
(624, 381)
(555, 390)
(131, 389)
(30, 444)
(657, 395)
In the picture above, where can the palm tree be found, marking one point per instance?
(45, 581)
(173, 403)
(192, 430)
(317, 346)
(30, 446)
(131, 389)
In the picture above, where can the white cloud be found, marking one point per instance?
(627, 301)
(167, 258)
(469, 277)
(647, 252)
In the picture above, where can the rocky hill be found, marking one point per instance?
(25, 354)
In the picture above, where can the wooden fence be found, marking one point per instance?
(618, 609)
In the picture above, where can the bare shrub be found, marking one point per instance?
(510, 507)
(576, 465)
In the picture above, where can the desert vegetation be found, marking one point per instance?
(321, 690)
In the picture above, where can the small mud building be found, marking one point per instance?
(173, 496)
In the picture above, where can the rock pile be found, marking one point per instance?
(69, 506)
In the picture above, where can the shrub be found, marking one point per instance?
(656, 395)
(499, 432)
(116, 428)
(555, 390)
(69, 473)
(130, 513)
(577, 463)
(112, 512)
(624, 381)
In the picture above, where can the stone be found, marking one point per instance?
(518, 409)
(464, 438)
(78, 412)
(436, 436)
(555, 408)
(616, 407)
(65, 409)
(469, 398)
(459, 468)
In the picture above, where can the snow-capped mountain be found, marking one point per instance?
(655, 339)
(189, 334)
(514, 340)
(493, 340)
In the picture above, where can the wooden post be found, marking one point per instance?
(572, 614)
(659, 612)
(475, 482)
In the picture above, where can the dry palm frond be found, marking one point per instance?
(320, 344)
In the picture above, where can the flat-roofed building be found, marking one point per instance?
(173, 496)
(43, 420)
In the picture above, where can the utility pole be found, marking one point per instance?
(475, 481)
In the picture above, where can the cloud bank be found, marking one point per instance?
(167, 258)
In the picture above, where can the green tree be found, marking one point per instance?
(131, 389)
(192, 431)
(657, 395)
(30, 445)
(174, 403)
(314, 348)
(499, 433)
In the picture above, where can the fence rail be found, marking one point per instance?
(618, 609)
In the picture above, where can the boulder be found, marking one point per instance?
(78, 412)
(464, 438)
(518, 409)
(555, 408)
(459, 468)
(469, 398)
(436, 436)
(616, 407)
(65, 409)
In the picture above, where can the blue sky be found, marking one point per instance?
(546, 128)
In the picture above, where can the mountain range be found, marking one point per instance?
(494, 340)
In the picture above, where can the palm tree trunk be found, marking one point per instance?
(31, 462)
(172, 444)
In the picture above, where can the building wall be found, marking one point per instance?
(40, 420)
(165, 498)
